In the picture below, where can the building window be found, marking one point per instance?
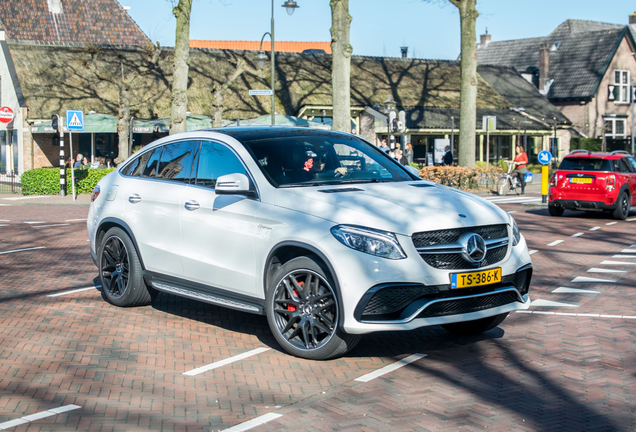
(615, 128)
(621, 86)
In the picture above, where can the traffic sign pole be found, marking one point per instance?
(70, 135)
(62, 163)
(544, 158)
(74, 122)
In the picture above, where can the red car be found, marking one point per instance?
(594, 182)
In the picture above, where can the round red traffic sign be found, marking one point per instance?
(6, 114)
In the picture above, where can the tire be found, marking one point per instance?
(308, 329)
(120, 271)
(503, 186)
(555, 211)
(476, 327)
(622, 206)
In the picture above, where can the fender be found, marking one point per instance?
(123, 225)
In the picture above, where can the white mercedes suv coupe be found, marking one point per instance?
(320, 231)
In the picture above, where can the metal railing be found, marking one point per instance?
(10, 183)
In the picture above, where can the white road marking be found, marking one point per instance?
(74, 291)
(577, 234)
(51, 225)
(629, 220)
(618, 263)
(253, 423)
(623, 256)
(74, 220)
(390, 368)
(595, 228)
(5, 220)
(549, 303)
(8, 205)
(574, 291)
(589, 279)
(227, 361)
(514, 211)
(629, 251)
(26, 249)
(611, 223)
(556, 242)
(38, 416)
(578, 314)
(4, 224)
(26, 197)
(34, 222)
(514, 200)
(532, 251)
(600, 270)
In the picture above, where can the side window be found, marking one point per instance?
(176, 161)
(150, 170)
(128, 169)
(632, 163)
(140, 164)
(216, 160)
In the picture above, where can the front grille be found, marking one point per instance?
(467, 305)
(395, 298)
(456, 261)
(441, 237)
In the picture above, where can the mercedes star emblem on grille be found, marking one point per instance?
(474, 248)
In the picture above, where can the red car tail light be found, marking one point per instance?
(610, 182)
(95, 193)
(553, 180)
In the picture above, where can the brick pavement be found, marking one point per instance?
(124, 366)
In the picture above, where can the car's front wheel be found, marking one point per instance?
(120, 271)
(622, 206)
(303, 311)
(476, 327)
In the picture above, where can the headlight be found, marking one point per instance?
(373, 242)
(516, 236)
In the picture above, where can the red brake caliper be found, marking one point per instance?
(291, 307)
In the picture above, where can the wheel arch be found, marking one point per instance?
(110, 222)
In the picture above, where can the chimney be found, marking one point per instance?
(544, 66)
(632, 18)
(484, 39)
(405, 51)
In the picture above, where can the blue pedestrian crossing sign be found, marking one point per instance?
(544, 157)
(74, 120)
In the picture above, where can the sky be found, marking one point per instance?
(430, 29)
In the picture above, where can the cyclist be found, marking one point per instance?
(520, 163)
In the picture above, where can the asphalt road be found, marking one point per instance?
(71, 361)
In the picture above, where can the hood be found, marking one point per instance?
(399, 207)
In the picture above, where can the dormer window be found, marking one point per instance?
(619, 91)
(555, 46)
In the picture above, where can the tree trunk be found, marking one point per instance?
(123, 123)
(219, 91)
(341, 51)
(180, 74)
(468, 88)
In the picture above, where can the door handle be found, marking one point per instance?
(134, 199)
(192, 205)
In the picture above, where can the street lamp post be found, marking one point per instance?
(261, 58)
(389, 107)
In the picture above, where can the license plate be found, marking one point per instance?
(473, 279)
(580, 180)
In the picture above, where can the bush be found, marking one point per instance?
(46, 181)
(463, 178)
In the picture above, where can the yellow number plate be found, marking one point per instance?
(473, 279)
(581, 180)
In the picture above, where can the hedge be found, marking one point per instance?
(46, 181)
(464, 178)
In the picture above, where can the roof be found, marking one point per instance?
(577, 65)
(279, 46)
(101, 22)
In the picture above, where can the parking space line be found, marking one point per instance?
(629, 251)
(253, 423)
(5, 220)
(37, 416)
(74, 291)
(577, 234)
(618, 263)
(29, 249)
(227, 361)
(564, 290)
(390, 368)
(590, 279)
(629, 220)
(550, 303)
(33, 222)
(556, 242)
(595, 228)
(623, 256)
(51, 225)
(74, 220)
(600, 270)
(611, 223)
(532, 251)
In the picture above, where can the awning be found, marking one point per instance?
(193, 122)
(281, 120)
(103, 123)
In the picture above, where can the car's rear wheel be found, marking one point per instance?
(476, 327)
(555, 211)
(120, 271)
(503, 186)
(622, 206)
(303, 311)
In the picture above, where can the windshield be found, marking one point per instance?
(585, 164)
(315, 160)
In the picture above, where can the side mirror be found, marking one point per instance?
(412, 170)
(233, 184)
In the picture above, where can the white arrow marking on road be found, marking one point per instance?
(574, 290)
(589, 279)
(548, 303)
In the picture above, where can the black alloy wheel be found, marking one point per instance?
(115, 267)
(306, 309)
(622, 206)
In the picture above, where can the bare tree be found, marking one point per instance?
(468, 88)
(182, 13)
(219, 90)
(341, 64)
(123, 81)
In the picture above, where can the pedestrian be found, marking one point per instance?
(78, 160)
(448, 157)
(85, 164)
(399, 155)
(520, 162)
(69, 163)
(409, 153)
(385, 148)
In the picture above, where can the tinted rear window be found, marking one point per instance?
(585, 164)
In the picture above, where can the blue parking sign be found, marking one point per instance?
(74, 120)
(544, 157)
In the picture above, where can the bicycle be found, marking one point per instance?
(507, 182)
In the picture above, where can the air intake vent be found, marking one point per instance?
(341, 190)
(421, 185)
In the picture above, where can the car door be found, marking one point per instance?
(630, 165)
(218, 230)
